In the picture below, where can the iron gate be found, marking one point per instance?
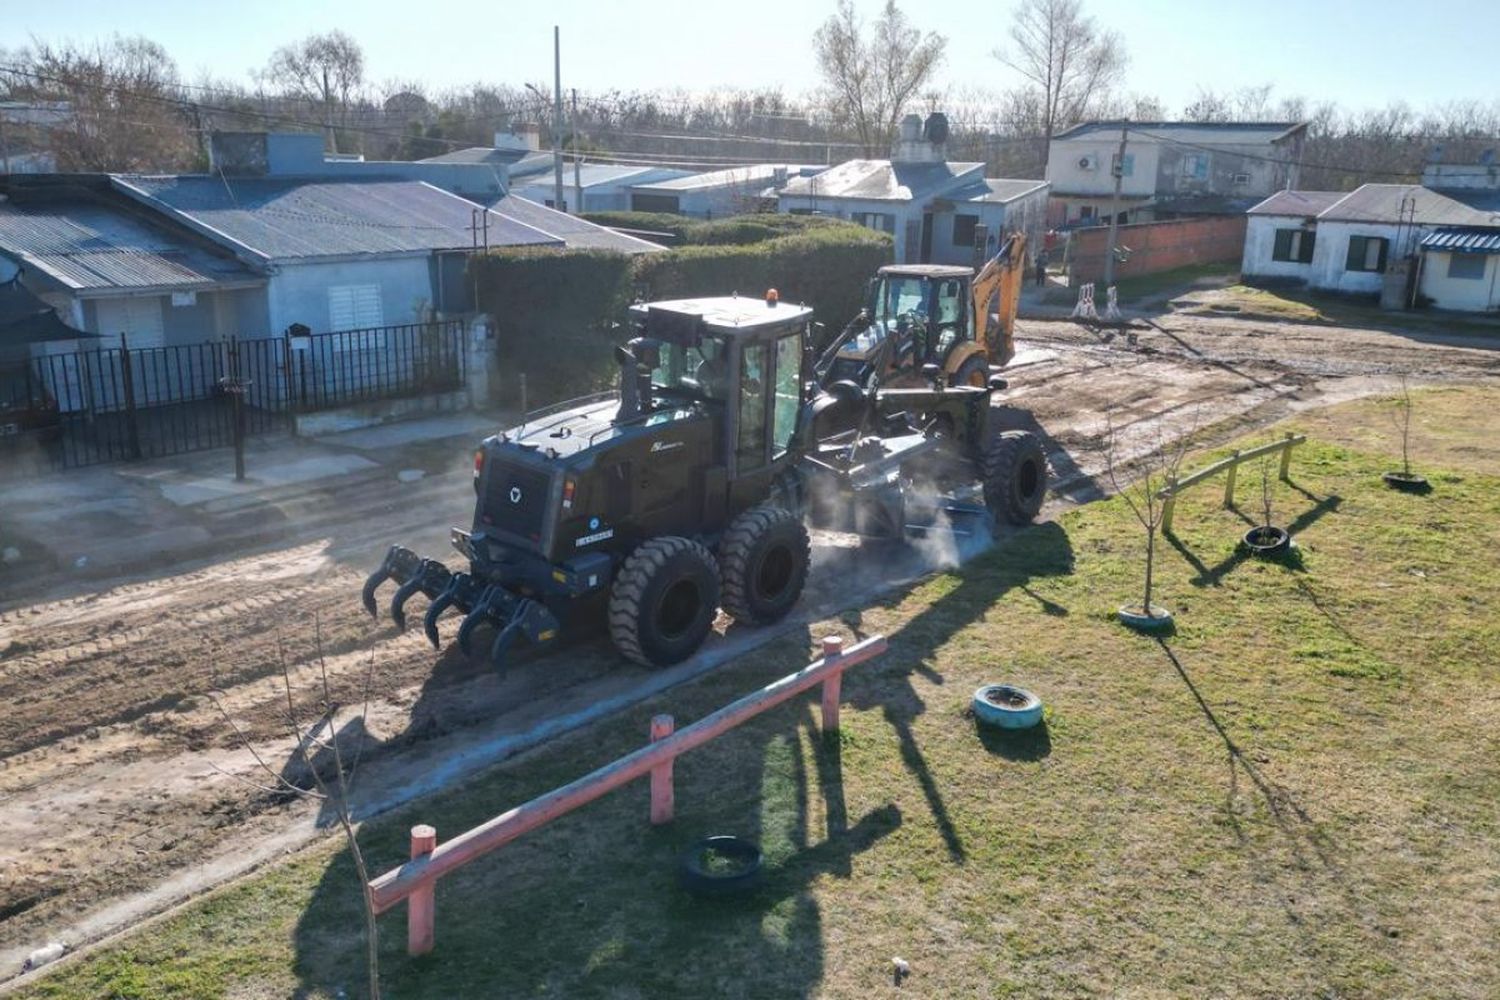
(119, 403)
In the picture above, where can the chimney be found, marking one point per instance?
(919, 143)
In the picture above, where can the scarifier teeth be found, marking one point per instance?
(462, 592)
(395, 557)
(479, 613)
(503, 642)
(403, 594)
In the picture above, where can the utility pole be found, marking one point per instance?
(1118, 169)
(577, 179)
(557, 118)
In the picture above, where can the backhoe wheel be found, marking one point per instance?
(663, 601)
(1015, 477)
(764, 556)
(974, 372)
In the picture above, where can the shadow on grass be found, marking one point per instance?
(1211, 576)
(1039, 551)
(1026, 745)
(1313, 851)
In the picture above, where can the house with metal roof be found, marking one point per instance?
(1169, 170)
(109, 268)
(937, 211)
(715, 194)
(588, 187)
(1402, 242)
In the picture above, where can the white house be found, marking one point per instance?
(1170, 169)
(932, 207)
(1381, 239)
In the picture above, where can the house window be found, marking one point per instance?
(1294, 246)
(1468, 266)
(880, 221)
(1126, 166)
(1366, 253)
(1195, 166)
(1085, 213)
(963, 230)
(354, 307)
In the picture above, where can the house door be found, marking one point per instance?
(926, 257)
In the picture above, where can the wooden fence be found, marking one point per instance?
(1230, 466)
(415, 881)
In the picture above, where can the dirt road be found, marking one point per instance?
(119, 768)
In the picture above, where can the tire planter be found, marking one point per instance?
(1267, 541)
(1159, 620)
(1007, 707)
(720, 866)
(1406, 482)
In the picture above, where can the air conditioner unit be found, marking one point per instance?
(1242, 178)
(1088, 162)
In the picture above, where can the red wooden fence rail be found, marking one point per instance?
(414, 881)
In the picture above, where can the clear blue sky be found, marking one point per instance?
(1360, 54)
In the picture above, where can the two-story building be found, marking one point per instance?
(935, 209)
(1169, 170)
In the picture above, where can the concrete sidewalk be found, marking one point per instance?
(110, 519)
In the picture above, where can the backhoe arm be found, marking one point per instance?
(1002, 273)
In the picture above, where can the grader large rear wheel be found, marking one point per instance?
(663, 603)
(764, 556)
(1015, 477)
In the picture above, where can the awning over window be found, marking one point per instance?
(1456, 240)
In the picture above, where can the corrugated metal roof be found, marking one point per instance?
(1403, 203)
(595, 174)
(758, 175)
(1463, 240)
(478, 154)
(576, 233)
(86, 246)
(1301, 203)
(999, 190)
(282, 219)
(1204, 133)
(882, 180)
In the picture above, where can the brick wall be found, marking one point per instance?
(1157, 246)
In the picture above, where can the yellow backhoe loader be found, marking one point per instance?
(941, 315)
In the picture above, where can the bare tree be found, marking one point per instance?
(1068, 60)
(1267, 490)
(309, 741)
(325, 70)
(1142, 493)
(109, 105)
(872, 78)
(1401, 417)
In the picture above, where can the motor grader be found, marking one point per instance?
(936, 314)
(691, 488)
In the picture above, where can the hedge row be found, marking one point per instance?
(558, 315)
(736, 229)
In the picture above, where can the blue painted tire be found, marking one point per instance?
(1160, 619)
(1007, 706)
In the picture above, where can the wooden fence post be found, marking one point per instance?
(1286, 457)
(1229, 480)
(833, 648)
(421, 905)
(1168, 505)
(661, 775)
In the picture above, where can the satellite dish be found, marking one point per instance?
(1085, 163)
(936, 128)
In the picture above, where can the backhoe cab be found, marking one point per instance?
(937, 314)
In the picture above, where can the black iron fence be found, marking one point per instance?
(114, 402)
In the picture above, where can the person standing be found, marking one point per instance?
(1041, 268)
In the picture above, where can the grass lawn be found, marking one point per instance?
(1295, 795)
(1149, 286)
(1304, 306)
